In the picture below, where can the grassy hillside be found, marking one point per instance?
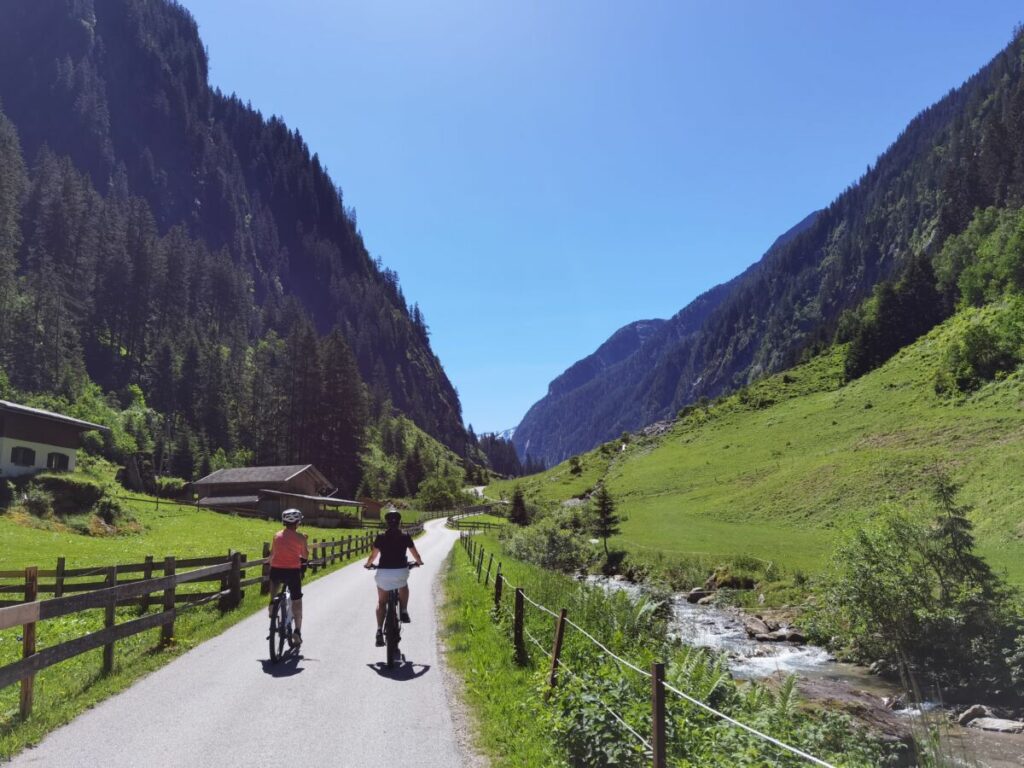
(778, 470)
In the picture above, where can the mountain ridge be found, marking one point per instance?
(964, 152)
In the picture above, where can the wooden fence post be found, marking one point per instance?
(58, 579)
(235, 581)
(658, 714)
(479, 563)
(241, 575)
(312, 556)
(265, 574)
(497, 589)
(108, 621)
(487, 577)
(517, 628)
(147, 574)
(28, 642)
(167, 633)
(556, 651)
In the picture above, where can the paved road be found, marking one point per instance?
(222, 704)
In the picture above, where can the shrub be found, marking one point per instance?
(549, 545)
(70, 494)
(913, 594)
(6, 492)
(37, 501)
(170, 487)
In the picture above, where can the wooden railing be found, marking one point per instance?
(464, 521)
(73, 596)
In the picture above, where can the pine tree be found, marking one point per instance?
(606, 522)
(343, 415)
(519, 515)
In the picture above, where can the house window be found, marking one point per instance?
(57, 461)
(22, 456)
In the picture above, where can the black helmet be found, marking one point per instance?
(393, 519)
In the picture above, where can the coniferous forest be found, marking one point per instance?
(162, 242)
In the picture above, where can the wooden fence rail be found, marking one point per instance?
(107, 591)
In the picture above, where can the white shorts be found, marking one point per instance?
(392, 578)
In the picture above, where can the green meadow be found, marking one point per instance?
(780, 469)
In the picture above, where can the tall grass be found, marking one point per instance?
(576, 723)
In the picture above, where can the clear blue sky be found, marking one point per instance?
(542, 172)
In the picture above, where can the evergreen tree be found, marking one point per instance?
(343, 414)
(519, 515)
(605, 522)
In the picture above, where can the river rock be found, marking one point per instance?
(973, 713)
(785, 635)
(710, 599)
(997, 724)
(696, 594)
(755, 626)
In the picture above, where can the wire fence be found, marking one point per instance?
(655, 745)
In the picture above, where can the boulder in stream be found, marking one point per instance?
(755, 626)
(973, 713)
(997, 724)
(696, 594)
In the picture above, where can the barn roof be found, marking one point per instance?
(247, 475)
(39, 413)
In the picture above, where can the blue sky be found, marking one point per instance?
(542, 172)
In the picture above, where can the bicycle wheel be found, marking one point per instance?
(391, 632)
(275, 638)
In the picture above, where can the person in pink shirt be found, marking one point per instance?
(288, 553)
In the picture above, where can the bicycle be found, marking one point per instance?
(281, 624)
(393, 624)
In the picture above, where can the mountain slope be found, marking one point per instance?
(620, 387)
(964, 152)
(781, 468)
(179, 221)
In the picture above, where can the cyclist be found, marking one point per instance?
(392, 571)
(288, 554)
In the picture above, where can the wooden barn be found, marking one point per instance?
(267, 491)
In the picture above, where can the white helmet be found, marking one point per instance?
(291, 516)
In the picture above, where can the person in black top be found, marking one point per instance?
(392, 571)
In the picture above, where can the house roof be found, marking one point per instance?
(255, 474)
(328, 500)
(39, 413)
(229, 501)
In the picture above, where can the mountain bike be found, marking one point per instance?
(393, 624)
(281, 624)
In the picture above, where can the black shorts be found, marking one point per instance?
(290, 576)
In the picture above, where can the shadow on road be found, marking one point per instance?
(407, 670)
(287, 667)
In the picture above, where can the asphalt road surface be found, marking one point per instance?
(223, 704)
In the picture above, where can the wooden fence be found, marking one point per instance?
(653, 743)
(149, 583)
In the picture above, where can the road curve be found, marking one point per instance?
(222, 703)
